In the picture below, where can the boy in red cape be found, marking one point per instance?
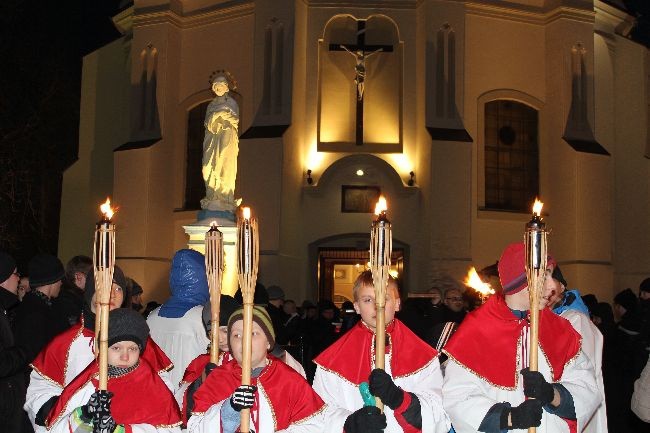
(279, 398)
(488, 386)
(137, 400)
(410, 386)
(70, 352)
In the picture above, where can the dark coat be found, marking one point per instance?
(13, 361)
(36, 324)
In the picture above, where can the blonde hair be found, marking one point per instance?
(365, 279)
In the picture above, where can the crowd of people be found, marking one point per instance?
(453, 362)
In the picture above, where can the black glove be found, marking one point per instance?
(103, 422)
(535, 386)
(382, 386)
(368, 419)
(99, 403)
(243, 397)
(209, 367)
(527, 414)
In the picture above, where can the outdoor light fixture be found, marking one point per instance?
(309, 179)
(411, 181)
(360, 172)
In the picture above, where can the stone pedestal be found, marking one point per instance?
(227, 225)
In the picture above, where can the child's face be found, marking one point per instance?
(223, 339)
(259, 342)
(365, 305)
(123, 354)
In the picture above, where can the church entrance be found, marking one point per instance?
(338, 268)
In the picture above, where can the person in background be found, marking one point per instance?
(70, 301)
(454, 307)
(23, 287)
(136, 292)
(176, 326)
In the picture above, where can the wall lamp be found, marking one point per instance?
(309, 178)
(411, 181)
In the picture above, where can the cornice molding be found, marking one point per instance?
(529, 15)
(203, 18)
(365, 4)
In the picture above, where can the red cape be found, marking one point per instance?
(139, 397)
(290, 396)
(486, 342)
(52, 362)
(351, 356)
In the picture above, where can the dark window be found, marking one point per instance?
(194, 185)
(511, 156)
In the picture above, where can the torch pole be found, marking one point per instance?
(535, 245)
(380, 252)
(214, 265)
(104, 265)
(247, 266)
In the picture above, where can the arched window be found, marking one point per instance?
(194, 185)
(511, 155)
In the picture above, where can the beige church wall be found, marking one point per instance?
(103, 126)
(631, 208)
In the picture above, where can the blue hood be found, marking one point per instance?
(188, 283)
(572, 301)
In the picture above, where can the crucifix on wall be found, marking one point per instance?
(361, 53)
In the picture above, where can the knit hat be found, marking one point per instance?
(125, 324)
(45, 269)
(260, 297)
(645, 285)
(136, 289)
(227, 306)
(7, 266)
(261, 317)
(512, 269)
(275, 292)
(627, 299)
(89, 290)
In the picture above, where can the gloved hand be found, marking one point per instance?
(209, 367)
(527, 414)
(243, 397)
(100, 402)
(104, 423)
(382, 386)
(368, 419)
(535, 386)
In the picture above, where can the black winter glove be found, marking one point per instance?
(209, 367)
(104, 423)
(243, 397)
(99, 403)
(535, 386)
(382, 386)
(527, 414)
(368, 419)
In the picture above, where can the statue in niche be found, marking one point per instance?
(220, 147)
(360, 57)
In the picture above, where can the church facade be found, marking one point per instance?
(459, 112)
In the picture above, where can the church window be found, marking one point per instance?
(511, 155)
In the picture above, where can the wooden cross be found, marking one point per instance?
(361, 52)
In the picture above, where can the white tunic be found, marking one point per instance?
(592, 346)
(182, 338)
(344, 398)
(468, 398)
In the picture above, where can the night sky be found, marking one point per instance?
(41, 50)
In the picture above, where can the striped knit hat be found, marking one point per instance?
(512, 269)
(261, 317)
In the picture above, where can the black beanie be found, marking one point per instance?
(89, 289)
(645, 285)
(7, 266)
(45, 269)
(557, 275)
(125, 324)
(627, 299)
(227, 306)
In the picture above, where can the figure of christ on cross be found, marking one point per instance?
(361, 53)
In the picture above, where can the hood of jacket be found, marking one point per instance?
(188, 283)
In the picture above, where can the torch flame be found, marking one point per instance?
(475, 282)
(106, 209)
(381, 205)
(537, 207)
(213, 224)
(247, 213)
